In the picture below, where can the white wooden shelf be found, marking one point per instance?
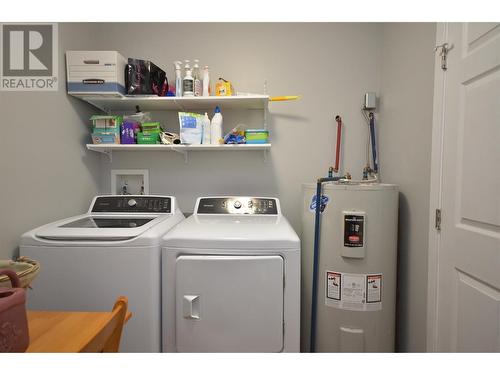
(116, 104)
(166, 103)
(183, 149)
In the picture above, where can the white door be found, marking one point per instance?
(464, 257)
(229, 303)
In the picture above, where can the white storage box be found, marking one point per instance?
(95, 73)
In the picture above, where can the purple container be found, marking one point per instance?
(127, 133)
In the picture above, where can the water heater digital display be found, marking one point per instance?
(354, 226)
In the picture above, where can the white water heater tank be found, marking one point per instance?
(356, 302)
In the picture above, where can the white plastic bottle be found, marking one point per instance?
(216, 127)
(197, 81)
(188, 81)
(206, 81)
(206, 130)
(178, 78)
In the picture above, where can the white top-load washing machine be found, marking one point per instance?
(231, 279)
(88, 261)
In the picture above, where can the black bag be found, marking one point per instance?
(142, 77)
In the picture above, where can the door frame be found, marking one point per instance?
(438, 132)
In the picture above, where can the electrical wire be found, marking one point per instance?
(338, 119)
(368, 159)
(374, 142)
(367, 154)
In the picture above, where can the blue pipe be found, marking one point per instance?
(374, 147)
(312, 343)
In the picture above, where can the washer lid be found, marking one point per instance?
(236, 232)
(108, 222)
(98, 228)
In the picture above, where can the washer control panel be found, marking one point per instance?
(133, 204)
(238, 205)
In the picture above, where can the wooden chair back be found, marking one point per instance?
(108, 339)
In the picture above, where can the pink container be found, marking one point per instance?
(14, 336)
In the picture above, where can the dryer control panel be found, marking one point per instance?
(238, 205)
(133, 204)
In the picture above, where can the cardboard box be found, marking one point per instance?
(95, 73)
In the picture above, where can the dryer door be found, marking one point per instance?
(229, 303)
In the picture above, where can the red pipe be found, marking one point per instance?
(339, 137)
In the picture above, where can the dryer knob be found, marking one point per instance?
(237, 204)
(132, 202)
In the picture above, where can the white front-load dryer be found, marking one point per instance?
(231, 279)
(88, 261)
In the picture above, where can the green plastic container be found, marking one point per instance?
(148, 138)
(256, 136)
(151, 127)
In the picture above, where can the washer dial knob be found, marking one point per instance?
(237, 204)
(132, 202)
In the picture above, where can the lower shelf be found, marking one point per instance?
(183, 149)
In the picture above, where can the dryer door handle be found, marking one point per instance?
(191, 307)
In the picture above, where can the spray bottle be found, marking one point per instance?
(196, 76)
(188, 81)
(178, 78)
(206, 81)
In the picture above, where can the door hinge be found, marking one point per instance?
(437, 222)
(445, 48)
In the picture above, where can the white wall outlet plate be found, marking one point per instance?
(130, 181)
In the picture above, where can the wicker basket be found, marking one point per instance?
(27, 269)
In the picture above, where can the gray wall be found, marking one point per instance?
(46, 174)
(405, 149)
(330, 65)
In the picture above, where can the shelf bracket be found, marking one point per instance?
(179, 105)
(183, 152)
(99, 107)
(108, 153)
